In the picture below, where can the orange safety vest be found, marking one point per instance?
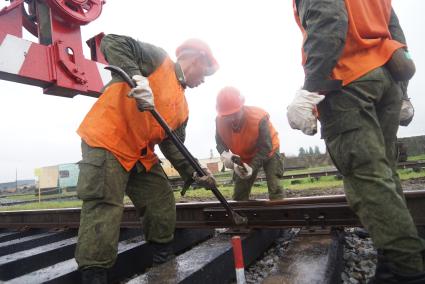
(244, 142)
(368, 45)
(115, 123)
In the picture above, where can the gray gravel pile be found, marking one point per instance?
(359, 257)
(270, 259)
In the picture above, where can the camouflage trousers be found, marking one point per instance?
(359, 125)
(273, 168)
(101, 185)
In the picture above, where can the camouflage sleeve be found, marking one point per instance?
(133, 56)
(325, 23)
(398, 35)
(395, 28)
(122, 51)
(172, 153)
(220, 145)
(264, 144)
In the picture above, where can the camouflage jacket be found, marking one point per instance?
(140, 58)
(326, 24)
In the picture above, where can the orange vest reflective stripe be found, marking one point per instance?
(244, 142)
(115, 123)
(368, 42)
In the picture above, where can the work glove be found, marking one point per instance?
(142, 93)
(406, 113)
(302, 112)
(208, 181)
(244, 172)
(226, 158)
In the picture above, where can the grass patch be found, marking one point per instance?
(33, 196)
(309, 170)
(312, 183)
(406, 174)
(44, 205)
(416, 158)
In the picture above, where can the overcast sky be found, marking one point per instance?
(257, 44)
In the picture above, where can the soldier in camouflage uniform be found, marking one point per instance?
(246, 133)
(349, 51)
(118, 140)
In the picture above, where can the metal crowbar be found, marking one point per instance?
(236, 218)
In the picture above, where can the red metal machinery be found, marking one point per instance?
(56, 63)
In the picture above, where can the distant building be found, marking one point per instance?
(56, 179)
(214, 164)
(46, 180)
(68, 176)
(414, 145)
(64, 177)
(23, 185)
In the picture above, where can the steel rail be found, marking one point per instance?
(290, 212)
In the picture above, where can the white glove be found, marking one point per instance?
(301, 112)
(142, 93)
(406, 113)
(244, 172)
(226, 158)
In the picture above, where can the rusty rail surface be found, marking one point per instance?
(290, 212)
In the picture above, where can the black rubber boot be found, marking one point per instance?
(161, 253)
(386, 274)
(94, 275)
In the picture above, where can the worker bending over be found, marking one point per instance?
(118, 139)
(247, 142)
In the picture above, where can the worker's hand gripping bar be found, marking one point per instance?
(236, 218)
(238, 161)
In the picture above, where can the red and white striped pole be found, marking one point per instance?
(239, 266)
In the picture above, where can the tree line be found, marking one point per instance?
(309, 152)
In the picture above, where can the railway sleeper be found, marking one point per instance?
(41, 255)
(33, 238)
(134, 256)
(8, 235)
(211, 261)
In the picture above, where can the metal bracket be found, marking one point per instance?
(66, 59)
(57, 63)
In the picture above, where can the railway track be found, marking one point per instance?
(38, 246)
(290, 212)
(176, 183)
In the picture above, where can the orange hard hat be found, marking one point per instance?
(201, 47)
(229, 101)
